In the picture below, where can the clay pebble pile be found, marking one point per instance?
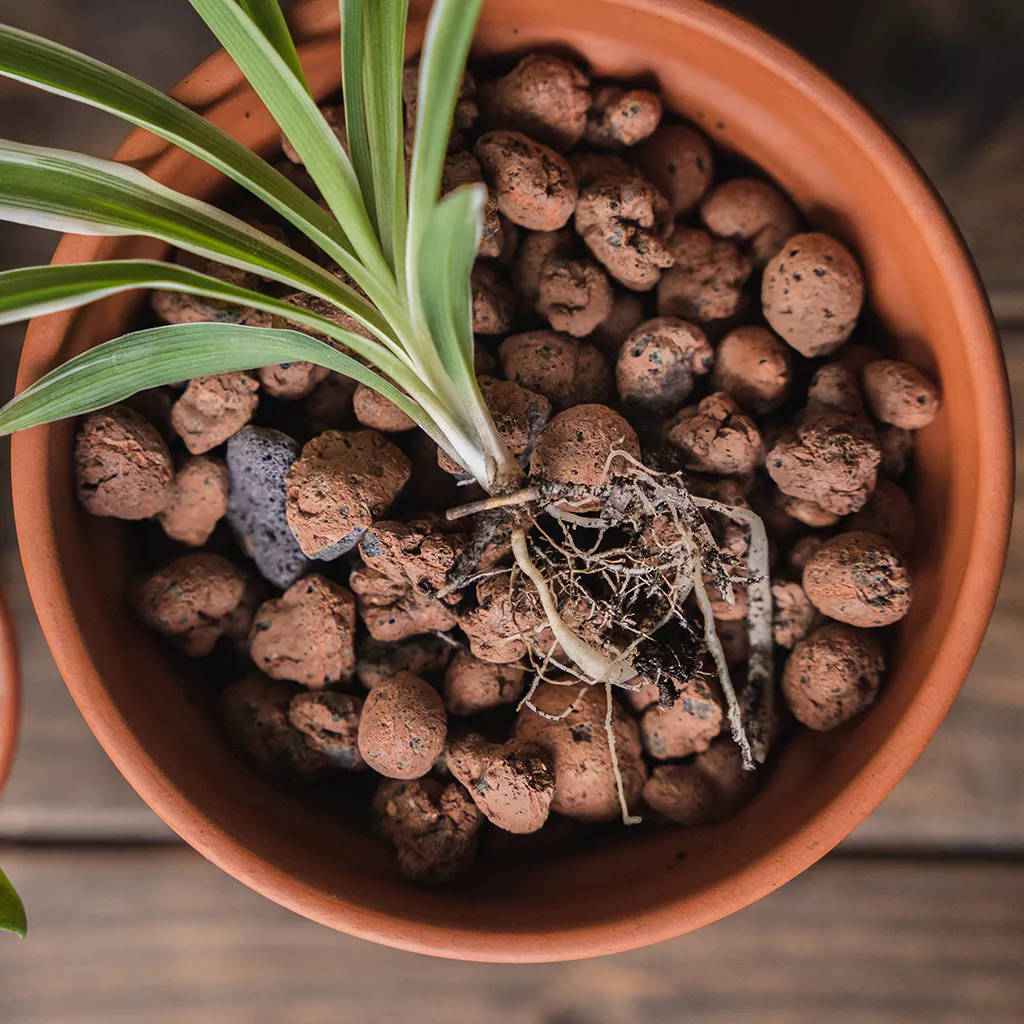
(628, 294)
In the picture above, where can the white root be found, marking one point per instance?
(668, 571)
(599, 667)
(715, 647)
(522, 497)
(620, 788)
(760, 626)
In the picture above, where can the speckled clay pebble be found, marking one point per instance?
(832, 676)
(307, 635)
(375, 411)
(576, 444)
(584, 782)
(900, 394)
(687, 727)
(254, 713)
(402, 727)
(716, 437)
(623, 222)
(754, 367)
(889, 513)
(812, 293)
(706, 279)
(472, 686)
(678, 161)
(658, 362)
(122, 466)
(534, 186)
(199, 498)
(751, 212)
(330, 723)
(433, 827)
(212, 409)
(544, 96)
(340, 483)
(565, 371)
(621, 117)
(512, 783)
(860, 579)
(708, 789)
(188, 599)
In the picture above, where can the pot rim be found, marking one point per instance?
(895, 753)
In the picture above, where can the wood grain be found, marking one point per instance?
(964, 793)
(946, 77)
(160, 935)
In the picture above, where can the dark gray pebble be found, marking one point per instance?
(258, 459)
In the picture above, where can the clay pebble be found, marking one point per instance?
(122, 465)
(402, 727)
(832, 676)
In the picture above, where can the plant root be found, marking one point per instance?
(625, 572)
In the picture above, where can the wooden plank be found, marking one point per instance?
(946, 76)
(962, 794)
(63, 784)
(161, 935)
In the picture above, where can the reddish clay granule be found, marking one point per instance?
(198, 500)
(212, 409)
(585, 786)
(308, 634)
(860, 579)
(402, 728)
(122, 465)
(833, 676)
(812, 293)
(512, 783)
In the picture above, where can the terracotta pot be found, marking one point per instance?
(751, 94)
(10, 691)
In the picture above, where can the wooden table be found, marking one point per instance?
(919, 916)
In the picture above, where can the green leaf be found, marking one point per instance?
(268, 18)
(382, 91)
(12, 910)
(117, 369)
(352, 35)
(36, 291)
(300, 120)
(444, 264)
(68, 192)
(56, 69)
(442, 62)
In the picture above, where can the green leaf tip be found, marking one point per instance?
(12, 910)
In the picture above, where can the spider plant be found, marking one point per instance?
(408, 252)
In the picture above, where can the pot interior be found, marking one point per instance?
(152, 714)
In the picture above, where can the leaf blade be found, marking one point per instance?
(450, 31)
(384, 50)
(28, 292)
(352, 35)
(269, 19)
(12, 910)
(64, 72)
(296, 113)
(149, 358)
(452, 238)
(70, 192)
